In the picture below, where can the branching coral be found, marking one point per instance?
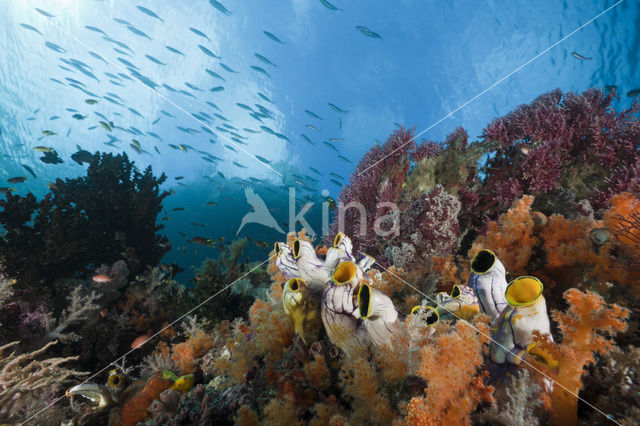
(587, 327)
(564, 140)
(511, 238)
(454, 389)
(428, 226)
(25, 381)
(81, 307)
(84, 221)
(378, 178)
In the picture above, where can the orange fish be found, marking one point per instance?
(140, 341)
(104, 312)
(101, 279)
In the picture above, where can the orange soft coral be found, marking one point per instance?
(272, 329)
(361, 381)
(135, 410)
(451, 363)
(185, 354)
(511, 238)
(449, 273)
(586, 327)
(623, 219)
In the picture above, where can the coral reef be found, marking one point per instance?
(352, 331)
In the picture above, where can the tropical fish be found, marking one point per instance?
(44, 13)
(214, 74)
(183, 147)
(101, 279)
(306, 138)
(250, 130)
(633, 93)
(81, 156)
(212, 105)
(127, 63)
(29, 169)
(345, 159)
(329, 6)
(54, 47)
(31, 28)
(174, 50)
(169, 88)
(268, 130)
(202, 225)
(156, 121)
(315, 170)
(105, 126)
(312, 114)
(167, 113)
(229, 147)
(48, 133)
(6, 190)
(312, 127)
(91, 101)
(336, 139)
(579, 56)
(283, 137)
(208, 52)
(74, 81)
(137, 31)
(54, 117)
(330, 146)
(136, 142)
(18, 179)
(95, 29)
(121, 21)
(265, 98)
(220, 7)
(260, 70)
(203, 241)
(336, 108)
(335, 175)
(336, 182)
(198, 32)
(242, 166)
(263, 59)
(154, 60)
(366, 31)
(51, 158)
(226, 68)
(149, 12)
(44, 149)
(272, 37)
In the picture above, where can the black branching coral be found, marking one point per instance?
(107, 215)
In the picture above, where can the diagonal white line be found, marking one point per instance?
(507, 350)
(163, 97)
(493, 85)
(151, 337)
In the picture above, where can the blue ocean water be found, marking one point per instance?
(336, 82)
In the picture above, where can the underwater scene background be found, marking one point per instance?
(319, 212)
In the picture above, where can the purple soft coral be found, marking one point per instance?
(564, 140)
